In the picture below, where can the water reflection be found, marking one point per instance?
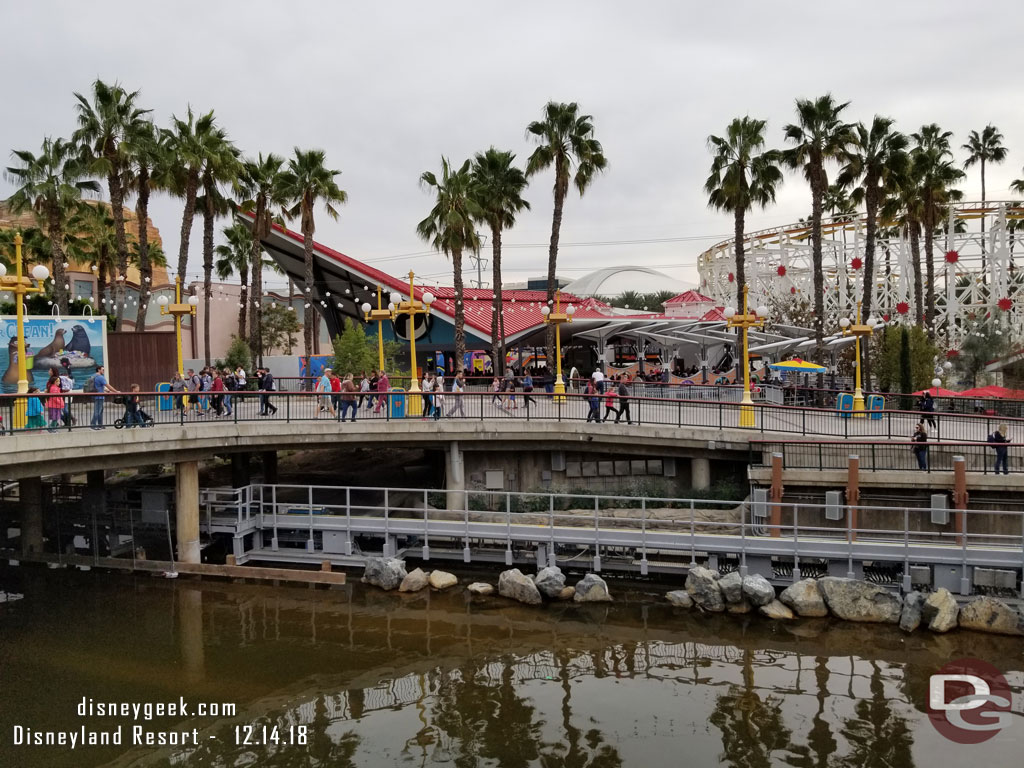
(381, 679)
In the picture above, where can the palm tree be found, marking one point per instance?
(145, 152)
(103, 127)
(51, 184)
(819, 136)
(449, 228)
(234, 257)
(93, 239)
(259, 186)
(306, 182)
(498, 191)
(190, 141)
(877, 160)
(743, 175)
(986, 147)
(565, 137)
(220, 167)
(935, 174)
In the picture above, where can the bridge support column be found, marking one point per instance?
(775, 493)
(30, 490)
(269, 467)
(455, 477)
(186, 499)
(960, 516)
(853, 495)
(241, 471)
(700, 473)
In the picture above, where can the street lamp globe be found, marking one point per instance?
(163, 301)
(936, 382)
(428, 298)
(762, 311)
(844, 322)
(730, 313)
(3, 270)
(948, 366)
(391, 307)
(570, 310)
(40, 273)
(396, 299)
(545, 311)
(366, 307)
(193, 300)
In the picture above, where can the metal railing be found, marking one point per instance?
(81, 411)
(878, 456)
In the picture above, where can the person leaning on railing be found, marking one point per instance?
(919, 438)
(1002, 453)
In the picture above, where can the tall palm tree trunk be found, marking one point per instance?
(116, 203)
(915, 254)
(208, 218)
(817, 193)
(256, 308)
(145, 266)
(243, 276)
(191, 186)
(497, 318)
(307, 315)
(982, 164)
(101, 279)
(741, 259)
(929, 233)
(556, 227)
(460, 310)
(871, 212)
(56, 235)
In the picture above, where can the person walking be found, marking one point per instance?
(100, 386)
(594, 401)
(348, 396)
(383, 385)
(266, 385)
(598, 378)
(609, 404)
(1000, 439)
(919, 439)
(926, 405)
(193, 385)
(323, 386)
(364, 389)
(67, 383)
(624, 394)
(230, 385)
(496, 397)
(54, 403)
(458, 387)
(132, 409)
(178, 391)
(34, 412)
(217, 394)
(427, 393)
(527, 389)
(239, 379)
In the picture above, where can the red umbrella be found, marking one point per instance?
(938, 392)
(990, 391)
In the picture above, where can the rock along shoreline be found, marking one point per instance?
(707, 590)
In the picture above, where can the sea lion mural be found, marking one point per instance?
(11, 374)
(55, 347)
(79, 341)
(78, 350)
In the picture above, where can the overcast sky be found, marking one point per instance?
(387, 88)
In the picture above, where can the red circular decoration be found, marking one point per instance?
(952, 257)
(953, 353)
(1005, 304)
(792, 289)
(856, 262)
(886, 317)
(781, 270)
(903, 307)
(732, 277)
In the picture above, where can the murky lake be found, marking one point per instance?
(356, 677)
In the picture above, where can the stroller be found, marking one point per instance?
(142, 418)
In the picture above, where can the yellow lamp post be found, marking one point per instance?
(179, 311)
(20, 285)
(556, 319)
(378, 315)
(412, 307)
(859, 330)
(745, 321)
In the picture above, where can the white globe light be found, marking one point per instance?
(163, 301)
(193, 300)
(391, 307)
(762, 311)
(570, 310)
(366, 307)
(844, 322)
(545, 311)
(870, 322)
(936, 382)
(730, 313)
(39, 272)
(947, 365)
(3, 270)
(428, 298)
(396, 299)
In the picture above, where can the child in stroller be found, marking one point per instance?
(133, 413)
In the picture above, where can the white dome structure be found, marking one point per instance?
(612, 281)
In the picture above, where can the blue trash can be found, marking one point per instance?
(396, 403)
(844, 404)
(876, 404)
(164, 402)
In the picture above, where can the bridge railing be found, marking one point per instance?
(884, 456)
(80, 410)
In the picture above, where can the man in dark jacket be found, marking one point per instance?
(266, 385)
(624, 399)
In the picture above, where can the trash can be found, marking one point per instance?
(876, 404)
(164, 402)
(396, 403)
(844, 404)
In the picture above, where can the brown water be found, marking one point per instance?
(392, 680)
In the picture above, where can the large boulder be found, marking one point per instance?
(940, 611)
(481, 588)
(986, 614)
(702, 585)
(592, 589)
(804, 598)
(758, 590)
(514, 584)
(776, 609)
(414, 581)
(442, 579)
(680, 598)
(384, 572)
(910, 616)
(743, 606)
(567, 593)
(550, 581)
(732, 587)
(855, 600)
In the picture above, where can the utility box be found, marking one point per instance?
(940, 509)
(834, 505)
(759, 503)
